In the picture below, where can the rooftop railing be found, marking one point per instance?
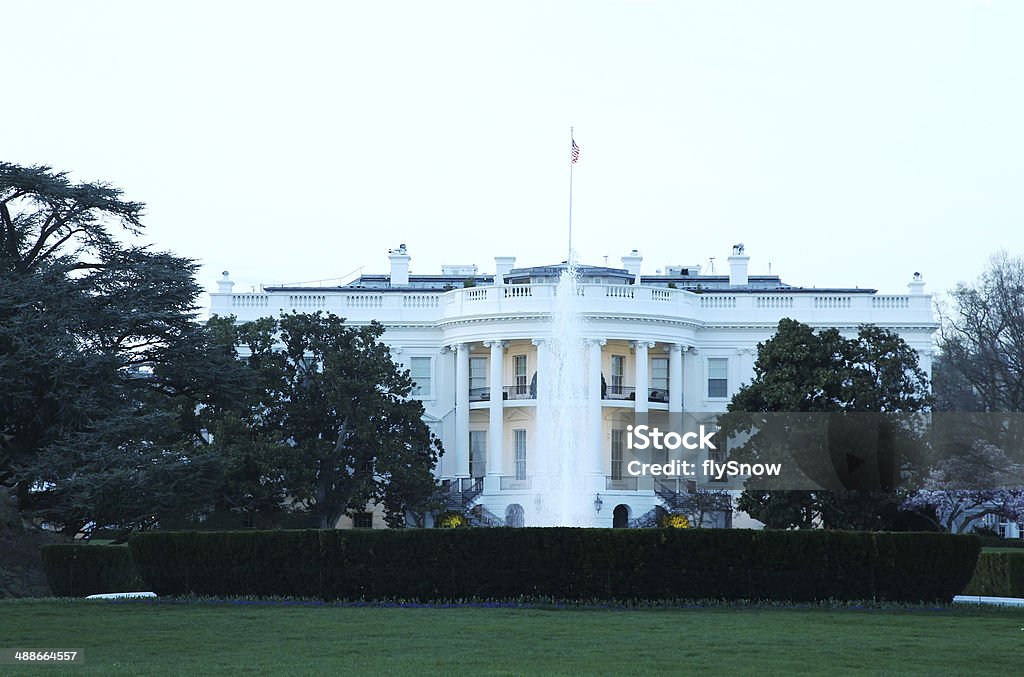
(519, 299)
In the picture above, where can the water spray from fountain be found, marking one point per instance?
(562, 423)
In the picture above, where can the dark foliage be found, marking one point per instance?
(102, 364)
(998, 574)
(331, 426)
(818, 400)
(613, 564)
(81, 570)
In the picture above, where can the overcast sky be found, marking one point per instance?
(847, 143)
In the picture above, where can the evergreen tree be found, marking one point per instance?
(102, 363)
(332, 426)
(844, 428)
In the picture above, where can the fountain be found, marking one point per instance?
(561, 497)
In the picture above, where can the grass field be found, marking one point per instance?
(207, 638)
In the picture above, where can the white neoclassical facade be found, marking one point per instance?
(680, 341)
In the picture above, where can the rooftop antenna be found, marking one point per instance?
(711, 265)
(605, 260)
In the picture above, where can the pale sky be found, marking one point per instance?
(848, 143)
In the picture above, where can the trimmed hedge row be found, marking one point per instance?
(998, 574)
(81, 570)
(558, 563)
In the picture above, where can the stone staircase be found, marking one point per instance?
(459, 494)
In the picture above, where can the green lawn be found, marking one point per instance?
(206, 638)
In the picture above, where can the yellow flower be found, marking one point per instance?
(452, 521)
(676, 522)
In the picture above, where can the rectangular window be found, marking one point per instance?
(617, 446)
(520, 454)
(477, 377)
(477, 453)
(718, 377)
(519, 363)
(659, 374)
(618, 370)
(362, 520)
(419, 369)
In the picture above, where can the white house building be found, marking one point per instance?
(674, 342)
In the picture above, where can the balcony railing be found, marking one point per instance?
(513, 483)
(620, 483)
(529, 392)
(463, 484)
(657, 395)
(614, 392)
(482, 395)
(520, 392)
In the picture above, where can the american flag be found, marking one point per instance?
(575, 152)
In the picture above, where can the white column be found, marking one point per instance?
(675, 378)
(694, 385)
(461, 410)
(744, 368)
(643, 379)
(542, 370)
(594, 405)
(536, 451)
(496, 436)
(924, 361)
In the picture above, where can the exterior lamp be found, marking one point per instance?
(598, 503)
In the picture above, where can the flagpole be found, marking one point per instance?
(571, 163)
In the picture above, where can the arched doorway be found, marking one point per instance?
(514, 516)
(620, 516)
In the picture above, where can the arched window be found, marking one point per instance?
(620, 516)
(514, 515)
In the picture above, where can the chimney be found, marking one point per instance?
(916, 286)
(738, 266)
(224, 284)
(502, 267)
(632, 265)
(399, 266)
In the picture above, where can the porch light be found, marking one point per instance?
(598, 503)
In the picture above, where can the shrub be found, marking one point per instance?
(575, 564)
(998, 541)
(998, 574)
(452, 520)
(81, 570)
(675, 521)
